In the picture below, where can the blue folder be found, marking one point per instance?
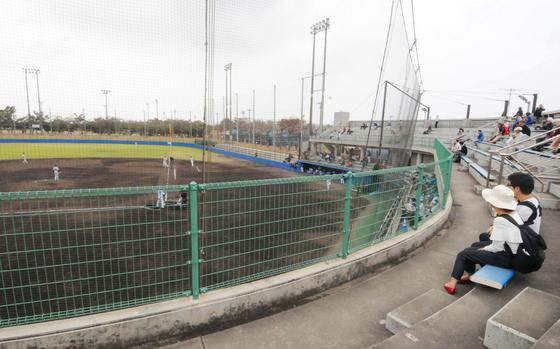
(492, 276)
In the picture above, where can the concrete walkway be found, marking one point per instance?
(352, 315)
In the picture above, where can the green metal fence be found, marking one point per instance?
(73, 252)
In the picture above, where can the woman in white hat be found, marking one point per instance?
(505, 238)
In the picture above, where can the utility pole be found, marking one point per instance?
(106, 92)
(27, 91)
(274, 122)
(534, 103)
(468, 111)
(510, 90)
(36, 72)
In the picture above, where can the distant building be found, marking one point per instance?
(341, 118)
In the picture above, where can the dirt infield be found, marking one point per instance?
(110, 172)
(72, 255)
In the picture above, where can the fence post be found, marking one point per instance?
(193, 189)
(347, 206)
(418, 192)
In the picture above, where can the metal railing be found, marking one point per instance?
(66, 253)
(509, 152)
(265, 154)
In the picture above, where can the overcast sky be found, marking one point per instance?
(142, 50)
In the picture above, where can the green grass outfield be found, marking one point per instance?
(12, 151)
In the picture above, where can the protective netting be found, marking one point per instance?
(398, 96)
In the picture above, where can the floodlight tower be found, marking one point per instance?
(106, 92)
(316, 28)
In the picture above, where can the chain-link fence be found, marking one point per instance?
(66, 253)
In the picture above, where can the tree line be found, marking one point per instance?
(287, 129)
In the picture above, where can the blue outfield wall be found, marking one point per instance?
(260, 161)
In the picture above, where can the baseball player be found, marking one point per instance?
(24, 158)
(161, 197)
(165, 162)
(192, 161)
(56, 172)
(328, 184)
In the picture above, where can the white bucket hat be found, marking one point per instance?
(500, 196)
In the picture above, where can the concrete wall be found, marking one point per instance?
(183, 318)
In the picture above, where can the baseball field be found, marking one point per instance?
(70, 252)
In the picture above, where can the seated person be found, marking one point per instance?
(349, 131)
(480, 137)
(364, 126)
(183, 199)
(499, 135)
(504, 239)
(428, 131)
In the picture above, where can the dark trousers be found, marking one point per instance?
(467, 259)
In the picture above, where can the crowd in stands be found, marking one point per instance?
(506, 242)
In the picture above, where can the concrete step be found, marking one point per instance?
(523, 320)
(417, 310)
(551, 339)
(458, 325)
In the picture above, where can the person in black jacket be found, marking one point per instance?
(525, 129)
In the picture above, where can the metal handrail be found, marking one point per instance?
(528, 139)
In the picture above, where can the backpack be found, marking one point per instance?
(530, 253)
(536, 211)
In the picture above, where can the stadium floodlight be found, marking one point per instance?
(106, 92)
(316, 28)
(524, 99)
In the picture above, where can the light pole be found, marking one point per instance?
(106, 92)
(315, 28)
(36, 72)
(27, 91)
(157, 109)
(228, 109)
(301, 114)
(237, 118)
(326, 27)
(274, 122)
(254, 142)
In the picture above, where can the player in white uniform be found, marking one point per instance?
(24, 158)
(328, 184)
(56, 172)
(192, 161)
(165, 162)
(161, 197)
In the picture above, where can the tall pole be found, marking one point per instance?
(144, 123)
(312, 82)
(106, 92)
(230, 105)
(534, 103)
(27, 92)
(225, 100)
(274, 122)
(38, 92)
(327, 25)
(254, 141)
(382, 121)
(468, 111)
(301, 122)
(237, 117)
(157, 109)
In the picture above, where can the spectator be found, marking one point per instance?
(464, 149)
(529, 119)
(528, 207)
(549, 125)
(499, 135)
(457, 147)
(364, 126)
(461, 132)
(519, 112)
(480, 137)
(437, 121)
(524, 128)
(349, 131)
(343, 131)
(375, 125)
(517, 136)
(538, 112)
(502, 246)
(428, 131)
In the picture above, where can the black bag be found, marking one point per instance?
(530, 253)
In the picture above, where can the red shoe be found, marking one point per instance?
(449, 290)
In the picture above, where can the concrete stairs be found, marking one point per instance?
(483, 317)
